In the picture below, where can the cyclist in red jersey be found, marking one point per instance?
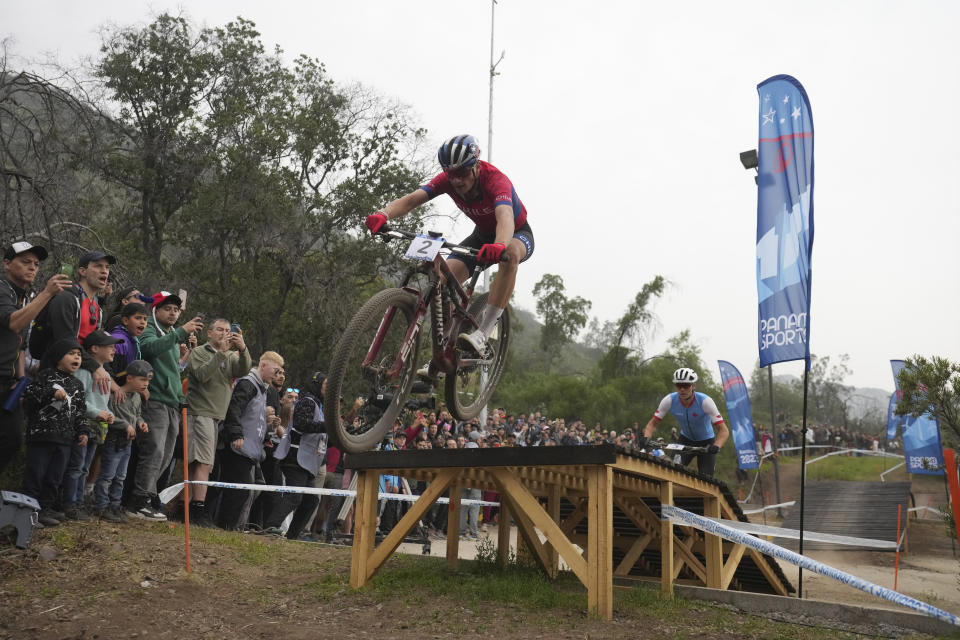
(488, 198)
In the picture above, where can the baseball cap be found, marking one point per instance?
(139, 368)
(93, 256)
(100, 338)
(165, 297)
(17, 248)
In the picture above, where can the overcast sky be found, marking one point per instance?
(620, 125)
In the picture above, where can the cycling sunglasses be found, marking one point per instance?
(682, 385)
(462, 172)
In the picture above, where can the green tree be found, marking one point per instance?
(563, 317)
(627, 339)
(931, 385)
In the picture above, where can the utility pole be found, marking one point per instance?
(493, 73)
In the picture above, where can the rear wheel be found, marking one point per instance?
(380, 384)
(469, 388)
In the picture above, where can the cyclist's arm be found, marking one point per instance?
(709, 407)
(659, 415)
(404, 205)
(505, 226)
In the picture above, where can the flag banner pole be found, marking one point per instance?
(803, 470)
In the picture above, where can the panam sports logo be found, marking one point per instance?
(783, 330)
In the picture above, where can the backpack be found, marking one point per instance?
(41, 336)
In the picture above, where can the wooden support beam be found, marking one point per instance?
(730, 566)
(527, 530)
(666, 541)
(503, 533)
(364, 526)
(714, 546)
(521, 500)
(600, 542)
(409, 521)
(553, 509)
(685, 557)
(632, 555)
(453, 526)
(768, 572)
(574, 518)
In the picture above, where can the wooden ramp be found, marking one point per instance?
(598, 508)
(858, 509)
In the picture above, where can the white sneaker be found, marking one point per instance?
(428, 375)
(476, 341)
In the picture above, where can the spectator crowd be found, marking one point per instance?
(99, 386)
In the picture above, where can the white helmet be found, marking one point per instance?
(684, 375)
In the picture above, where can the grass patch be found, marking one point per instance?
(49, 592)
(249, 550)
(330, 586)
(852, 469)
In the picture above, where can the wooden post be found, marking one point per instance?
(364, 525)
(453, 526)
(714, 546)
(503, 532)
(666, 540)
(553, 508)
(600, 541)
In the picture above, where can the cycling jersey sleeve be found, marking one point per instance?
(663, 409)
(710, 409)
(502, 190)
(439, 185)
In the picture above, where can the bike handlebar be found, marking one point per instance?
(387, 234)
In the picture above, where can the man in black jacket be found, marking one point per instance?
(21, 263)
(75, 313)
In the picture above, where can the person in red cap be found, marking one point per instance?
(21, 263)
(160, 346)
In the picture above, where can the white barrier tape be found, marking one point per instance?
(869, 452)
(809, 536)
(729, 533)
(768, 507)
(171, 492)
(930, 509)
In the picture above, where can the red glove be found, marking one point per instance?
(491, 252)
(375, 220)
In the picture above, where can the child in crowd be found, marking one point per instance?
(115, 452)
(133, 320)
(100, 346)
(56, 411)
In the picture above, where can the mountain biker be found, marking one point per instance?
(697, 415)
(488, 198)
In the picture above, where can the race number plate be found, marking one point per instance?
(674, 447)
(424, 248)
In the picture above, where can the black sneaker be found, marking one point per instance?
(199, 517)
(111, 515)
(77, 513)
(48, 517)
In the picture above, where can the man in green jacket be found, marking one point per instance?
(160, 346)
(210, 373)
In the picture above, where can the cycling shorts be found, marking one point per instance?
(478, 238)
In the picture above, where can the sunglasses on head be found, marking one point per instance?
(292, 390)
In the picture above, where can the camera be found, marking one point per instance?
(415, 404)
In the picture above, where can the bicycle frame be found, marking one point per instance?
(443, 289)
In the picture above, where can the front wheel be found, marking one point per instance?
(469, 388)
(370, 375)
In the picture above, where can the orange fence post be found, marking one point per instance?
(896, 566)
(951, 471)
(186, 481)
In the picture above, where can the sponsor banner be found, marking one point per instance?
(921, 436)
(741, 420)
(893, 420)
(784, 220)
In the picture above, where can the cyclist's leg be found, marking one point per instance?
(707, 463)
(518, 250)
